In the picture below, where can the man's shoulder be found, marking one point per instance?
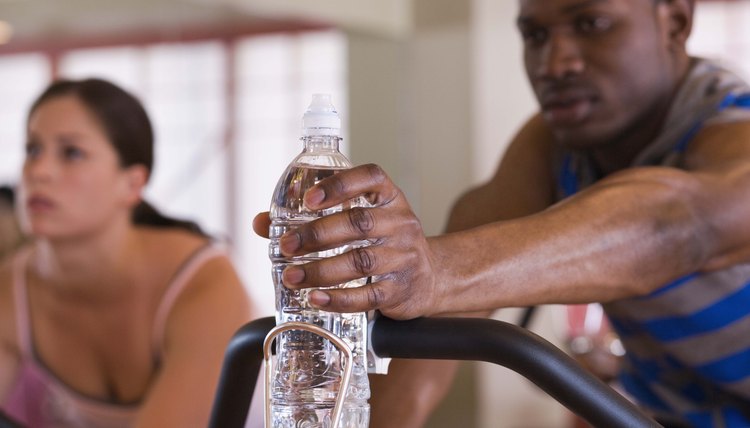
(720, 142)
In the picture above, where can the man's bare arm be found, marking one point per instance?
(522, 185)
(624, 236)
(627, 235)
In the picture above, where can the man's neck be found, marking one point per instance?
(621, 153)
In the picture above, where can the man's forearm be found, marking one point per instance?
(619, 239)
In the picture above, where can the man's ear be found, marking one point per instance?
(136, 177)
(679, 15)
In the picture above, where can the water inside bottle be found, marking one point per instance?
(307, 378)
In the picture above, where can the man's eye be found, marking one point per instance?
(534, 36)
(593, 24)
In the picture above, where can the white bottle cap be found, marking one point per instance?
(321, 117)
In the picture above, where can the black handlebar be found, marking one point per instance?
(517, 349)
(239, 373)
(448, 339)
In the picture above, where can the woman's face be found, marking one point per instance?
(73, 182)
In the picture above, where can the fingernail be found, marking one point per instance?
(293, 275)
(314, 197)
(289, 243)
(319, 298)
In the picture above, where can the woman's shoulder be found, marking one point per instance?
(6, 281)
(204, 280)
(172, 237)
(6, 275)
(7, 311)
(173, 252)
(170, 245)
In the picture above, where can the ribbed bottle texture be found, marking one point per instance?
(308, 368)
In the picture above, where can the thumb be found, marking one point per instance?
(261, 223)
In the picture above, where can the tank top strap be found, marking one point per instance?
(730, 100)
(568, 179)
(181, 278)
(21, 302)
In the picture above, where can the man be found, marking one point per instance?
(630, 187)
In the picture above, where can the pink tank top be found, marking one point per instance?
(38, 399)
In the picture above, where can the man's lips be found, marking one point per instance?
(567, 108)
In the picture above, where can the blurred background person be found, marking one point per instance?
(114, 315)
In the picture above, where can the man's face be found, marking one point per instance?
(597, 67)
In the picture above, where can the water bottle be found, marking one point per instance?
(308, 368)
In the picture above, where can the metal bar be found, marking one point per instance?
(445, 338)
(338, 408)
(517, 349)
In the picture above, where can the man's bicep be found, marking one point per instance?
(719, 145)
(523, 183)
(719, 159)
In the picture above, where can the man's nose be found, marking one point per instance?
(561, 57)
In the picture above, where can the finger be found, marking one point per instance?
(360, 299)
(261, 224)
(333, 230)
(352, 265)
(388, 296)
(356, 224)
(368, 180)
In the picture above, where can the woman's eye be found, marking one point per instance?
(72, 153)
(33, 150)
(593, 24)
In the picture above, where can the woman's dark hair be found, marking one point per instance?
(128, 128)
(7, 195)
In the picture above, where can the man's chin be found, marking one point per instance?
(574, 140)
(581, 137)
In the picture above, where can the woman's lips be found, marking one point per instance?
(38, 204)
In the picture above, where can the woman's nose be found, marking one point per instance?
(39, 166)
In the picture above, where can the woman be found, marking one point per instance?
(114, 316)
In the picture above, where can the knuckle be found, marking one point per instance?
(333, 185)
(375, 296)
(337, 185)
(410, 258)
(361, 220)
(309, 235)
(413, 224)
(362, 260)
(376, 173)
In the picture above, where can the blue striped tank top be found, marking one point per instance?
(688, 342)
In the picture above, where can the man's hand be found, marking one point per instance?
(399, 259)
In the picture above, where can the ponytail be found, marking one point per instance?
(146, 215)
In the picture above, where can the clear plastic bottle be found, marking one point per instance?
(308, 368)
